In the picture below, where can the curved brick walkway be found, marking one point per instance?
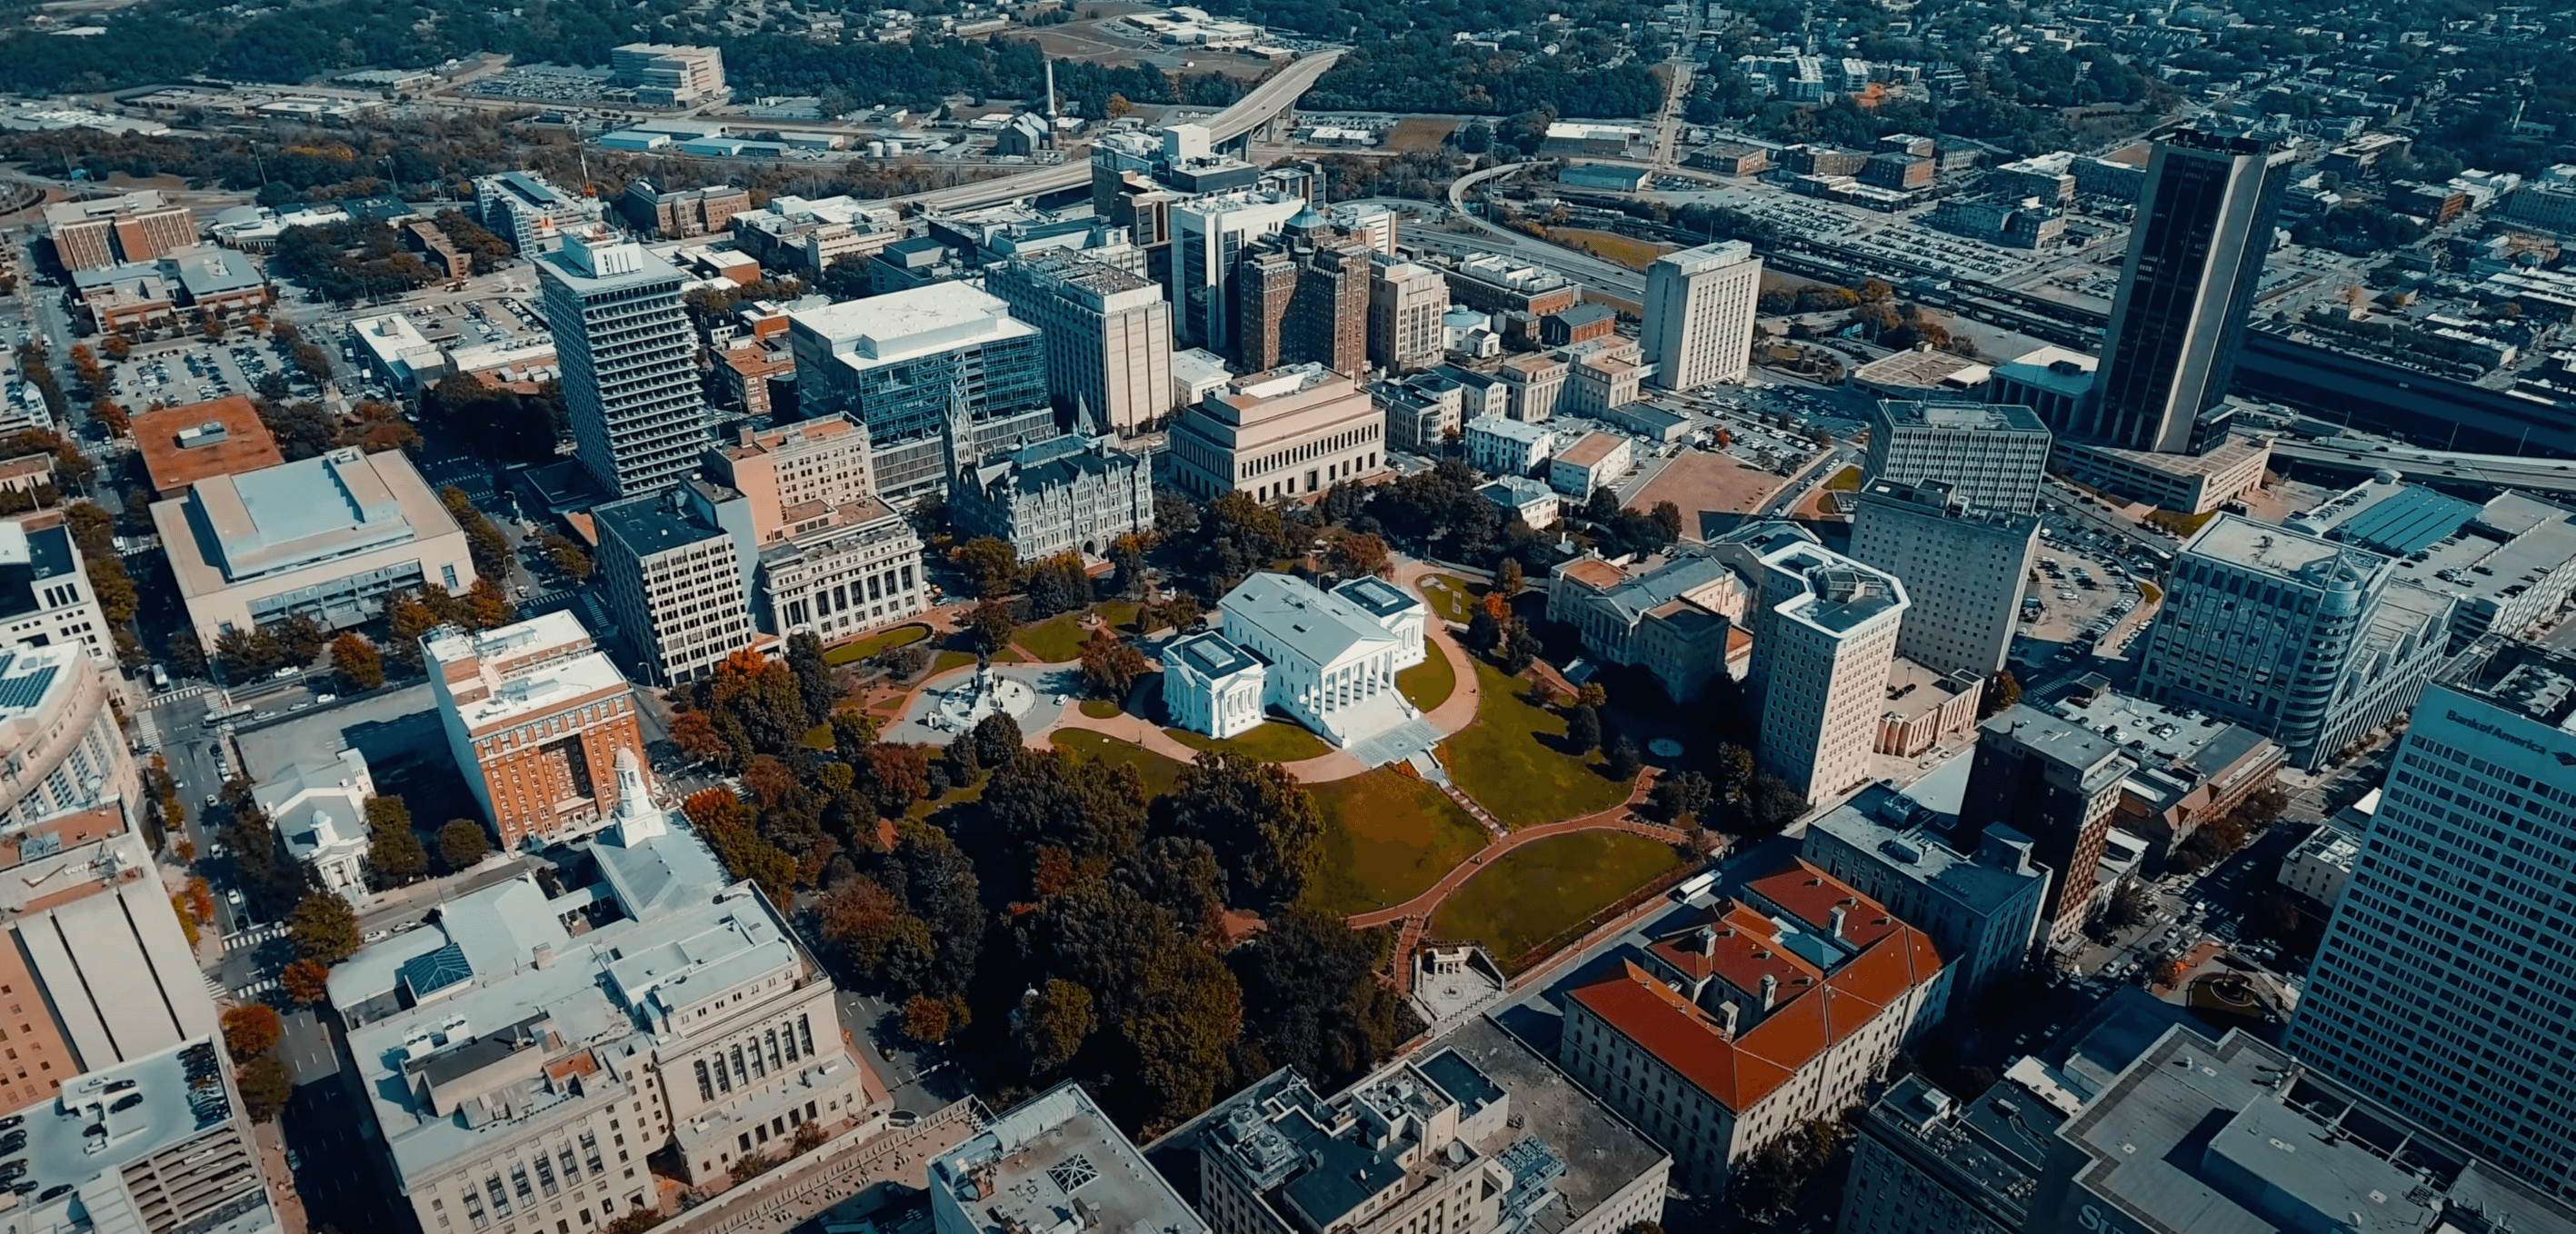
(1613, 819)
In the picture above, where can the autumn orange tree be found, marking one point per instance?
(251, 1031)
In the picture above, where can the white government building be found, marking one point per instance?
(1327, 659)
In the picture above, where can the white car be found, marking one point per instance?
(233, 897)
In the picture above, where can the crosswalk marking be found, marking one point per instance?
(254, 936)
(214, 987)
(256, 988)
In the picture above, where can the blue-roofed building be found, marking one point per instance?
(1475, 1134)
(1326, 659)
(525, 209)
(324, 537)
(2507, 563)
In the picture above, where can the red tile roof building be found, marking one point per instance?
(1779, 1007)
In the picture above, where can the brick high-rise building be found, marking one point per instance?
(535, 714)
(1265, 293)
(1330, 314)
(1303, 297)
(2057, 782)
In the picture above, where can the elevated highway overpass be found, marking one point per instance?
(1274, 95)
(2437, 468)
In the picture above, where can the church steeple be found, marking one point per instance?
(638, 819)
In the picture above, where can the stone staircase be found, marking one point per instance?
(1468, 804)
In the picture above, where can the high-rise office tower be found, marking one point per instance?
(676, 581)
(1108, 334)
(2196, 252)
(1962, 569)
(1700, 305)
(629, 358)
(1209, 236)
(918, 367)
(1824, 632)
(1993, 456)
(2309, 642)
(1405, 304)
(2055, 781)
(2445, 986)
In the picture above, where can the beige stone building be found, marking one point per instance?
(796, 475)
(821, 554)
(1824, 634)
(1534, 384)
(325, 537)
(1405, 304)
(519, 1075)
(1108, 334)
(1700, 305)
(1288, 434)
(1681, 620)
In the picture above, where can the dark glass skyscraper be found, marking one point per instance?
(2195, 256)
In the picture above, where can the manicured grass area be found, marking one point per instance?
(1845, 481)
(1059, 638)
(930, 806)
(1430, 683)
(1453, 599)
(2149, 592)
(947, 660)
(1501, 761)
(1054, 640)
(819, 737)
(890, 704)
(1100, 708)
(1534, 893)
(1119, 613)
(1387, 838)
(1159, 772)
(1273, 741)
(882, 640)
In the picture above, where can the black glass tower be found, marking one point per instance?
(2196, 253)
